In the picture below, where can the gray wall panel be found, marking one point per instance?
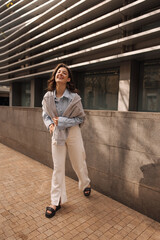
(123, 160)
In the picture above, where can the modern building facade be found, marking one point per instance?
(113, 49)
(111, 46)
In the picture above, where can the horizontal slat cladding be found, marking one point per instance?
(36, 35)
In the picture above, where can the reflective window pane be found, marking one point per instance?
(26, 94)
(99, 90)
(150, 92)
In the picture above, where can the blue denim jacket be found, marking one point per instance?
(61, 105)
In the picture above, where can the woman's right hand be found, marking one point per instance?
(51, 128)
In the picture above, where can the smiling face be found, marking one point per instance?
(62, 76)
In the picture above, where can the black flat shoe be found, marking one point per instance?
(52, 210)
(87, 191)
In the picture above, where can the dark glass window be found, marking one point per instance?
(99, 90)
(21, 94)
(40, 90)
(4, 101)
(26, 94)
(149, 91)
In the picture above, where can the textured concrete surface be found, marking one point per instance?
(122, 149)
(24, 188)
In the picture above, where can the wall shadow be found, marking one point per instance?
(149, 190)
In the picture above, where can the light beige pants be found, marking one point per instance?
(76, 151)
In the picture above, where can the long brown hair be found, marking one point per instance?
(52, 83)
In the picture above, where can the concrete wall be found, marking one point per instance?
(123, 153)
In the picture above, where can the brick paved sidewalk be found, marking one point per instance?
(25, 192)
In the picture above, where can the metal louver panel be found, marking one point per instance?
(36, 35)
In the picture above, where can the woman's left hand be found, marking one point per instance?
(55, 120)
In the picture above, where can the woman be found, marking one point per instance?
(63, 115)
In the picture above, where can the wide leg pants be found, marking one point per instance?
(76, 151)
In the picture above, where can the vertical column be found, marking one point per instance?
(32, 93)
(10, 95)
(124, 86)
(134, 85)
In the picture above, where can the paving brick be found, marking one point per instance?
(25, 193)
(132, 235)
